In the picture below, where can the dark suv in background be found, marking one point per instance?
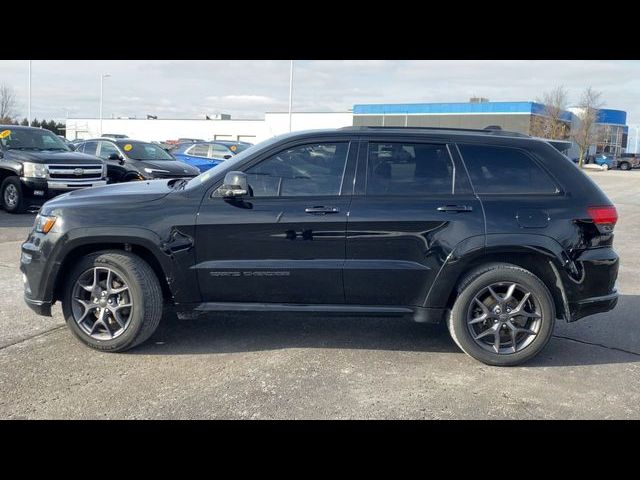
(128, 160)
(36, 165)
(496, 234)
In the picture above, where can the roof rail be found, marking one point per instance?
(485, 131)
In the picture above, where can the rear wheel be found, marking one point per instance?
(625, 166)
(112, 301)
(504, 315)
(12, 195)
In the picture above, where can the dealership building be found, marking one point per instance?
(478, 113)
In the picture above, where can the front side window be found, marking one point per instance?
(106, 149)
(409, 169)
(201, 150)
(90, 148)
(219, 151)
(505, 170)
(305, 170)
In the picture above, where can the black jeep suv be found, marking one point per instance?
(495, 233)
(36, 165)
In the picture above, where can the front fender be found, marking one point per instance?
(173, 262)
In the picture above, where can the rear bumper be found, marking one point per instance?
(591, 306)
(38, 306)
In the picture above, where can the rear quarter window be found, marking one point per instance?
(505, 170)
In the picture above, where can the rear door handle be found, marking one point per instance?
(321, 210)
(455, 208)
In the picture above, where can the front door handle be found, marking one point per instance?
(321, 210)
(455, 208)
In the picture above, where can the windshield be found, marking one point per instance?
(144, 151)
(31, 139)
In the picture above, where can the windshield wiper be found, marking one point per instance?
(24, 148)
(55, 149)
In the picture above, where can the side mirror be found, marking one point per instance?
(114, 156)
(227, 157)
(234, 186)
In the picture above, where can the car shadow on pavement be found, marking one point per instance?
(609, 338)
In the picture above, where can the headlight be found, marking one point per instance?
(44, 223)
(34, 170)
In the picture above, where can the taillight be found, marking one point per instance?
(605, 215)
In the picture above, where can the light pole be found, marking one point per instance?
(29, 97)
(290, 92)
(102, 77)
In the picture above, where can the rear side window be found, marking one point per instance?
(409, 169)
(505, 170)
(201, 150)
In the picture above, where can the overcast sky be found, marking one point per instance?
(247, 89)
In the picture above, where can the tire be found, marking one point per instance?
(12, 196)
(605, 166)
(625, 166)
(539, 302)
(143, 293)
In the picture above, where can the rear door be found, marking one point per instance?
(412, 206)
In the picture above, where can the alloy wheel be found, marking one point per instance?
(504, 318)
(101, 303)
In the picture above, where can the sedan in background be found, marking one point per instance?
(129, 160)
(206, 155)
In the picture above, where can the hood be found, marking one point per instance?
(119, 193)
(174, 167)
(51, 157)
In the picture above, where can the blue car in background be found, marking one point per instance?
(204, 155)
(606, 160)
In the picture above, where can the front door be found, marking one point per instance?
(284, 242)
(413, 204)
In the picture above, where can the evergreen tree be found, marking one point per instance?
(24, 122)
(35, 123)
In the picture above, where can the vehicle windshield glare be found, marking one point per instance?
(31, 139)
(144, 151)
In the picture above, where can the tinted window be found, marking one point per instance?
(504, 170)
(304, 170)
(30, 139)
(219, 151)
(409, 169)
(199, 150)
(106, 149)
(90, 148)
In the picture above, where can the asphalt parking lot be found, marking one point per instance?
(248, 366)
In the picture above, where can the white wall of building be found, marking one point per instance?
(248, 130)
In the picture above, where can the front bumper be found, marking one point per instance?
(39, 190)
(38, 272)
(39, 306)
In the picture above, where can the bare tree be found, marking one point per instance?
(584, 132)
(551, 124)
(7, 104)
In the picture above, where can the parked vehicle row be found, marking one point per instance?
(36, 165)
(495, 234)
(608, 161)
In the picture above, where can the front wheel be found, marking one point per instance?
(112, 301)
(504, 315)
(12, 195)
(625, 166)
(605, 166)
